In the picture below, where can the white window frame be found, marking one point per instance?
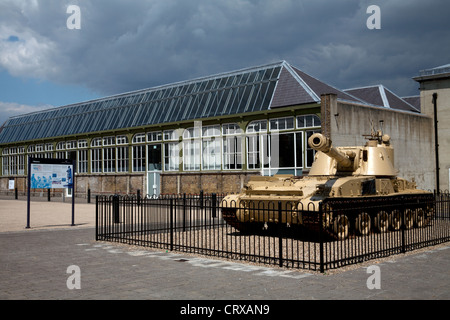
(96, 160)
(279, 124)
(232, 146)
(109, 159)
(122, 156)
(171, 156)
(192, 156)
(82, 161)
(139, 158)
(154, 136)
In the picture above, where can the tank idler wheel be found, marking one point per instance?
(409, 219)
(395, 220)
(341, 226)
(382, 221)
(363, 223)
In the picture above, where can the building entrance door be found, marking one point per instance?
(153, 186)
(154, 167)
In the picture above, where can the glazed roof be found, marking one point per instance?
(247, 90)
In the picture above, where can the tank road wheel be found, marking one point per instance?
(341, 226)
(395, 220)
(382, 221)
(229, 215)
(419, 218)
(429, 215)
(363, 223)
(327, 217)
(409, 219)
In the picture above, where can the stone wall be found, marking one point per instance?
(193, 183)
(98, 184)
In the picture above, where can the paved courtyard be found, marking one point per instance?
(53, 260)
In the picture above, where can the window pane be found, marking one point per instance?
(211, 154)
(109, 157)
(299, 149)
(139, 158)
(96, 162)
(232, 153)
(122, 159)
(287, 150)
(253, 155)
(191, 155)
(171, 156)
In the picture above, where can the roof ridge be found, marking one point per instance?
(384, 98)
(397, 96)
(302, 82)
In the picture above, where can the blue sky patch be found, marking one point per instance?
(13, 39)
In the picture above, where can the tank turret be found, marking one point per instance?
(375, 158)
(341, 178)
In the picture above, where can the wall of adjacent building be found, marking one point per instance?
(442, 88)
(411, 135)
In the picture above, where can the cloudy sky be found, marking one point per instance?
(125, 45)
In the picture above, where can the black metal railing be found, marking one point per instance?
(316, 236)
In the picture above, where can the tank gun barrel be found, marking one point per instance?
(321, 143)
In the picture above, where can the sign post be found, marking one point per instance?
(49, 174)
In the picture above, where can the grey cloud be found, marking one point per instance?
(127, 45)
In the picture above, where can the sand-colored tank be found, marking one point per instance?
(349, 183)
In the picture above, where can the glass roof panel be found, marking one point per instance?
(240, 91)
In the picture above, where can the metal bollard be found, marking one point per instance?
(116, 211)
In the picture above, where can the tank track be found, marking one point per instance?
(351, 208)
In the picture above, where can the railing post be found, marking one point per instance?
(184, 211)
(214, 202)
(96, 218)
(403, 226)
(89, 196)
(171, 224)
(280, 238)
(322, 267)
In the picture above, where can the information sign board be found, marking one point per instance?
(51, 176)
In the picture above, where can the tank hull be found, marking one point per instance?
(325, 205)
(349, 190)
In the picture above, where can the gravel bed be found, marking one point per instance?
(297, 253)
